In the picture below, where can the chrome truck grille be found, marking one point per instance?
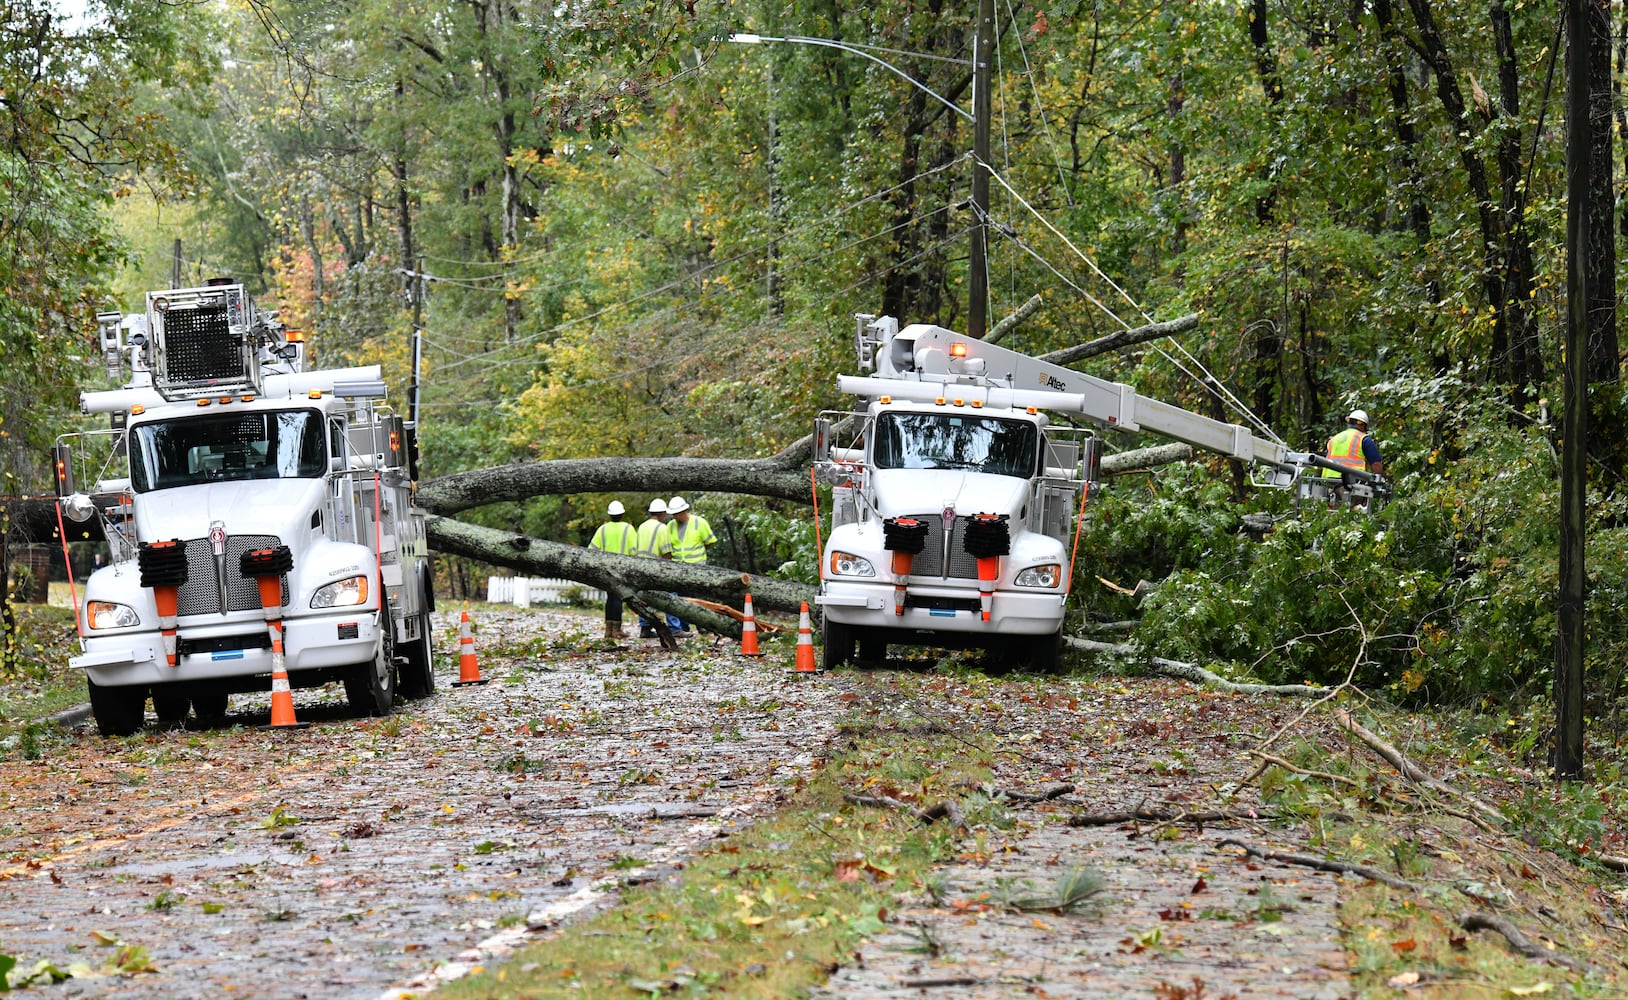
(930, 561)
(202, 593)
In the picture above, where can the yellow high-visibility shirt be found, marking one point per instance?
(617, 537)
(690, 540)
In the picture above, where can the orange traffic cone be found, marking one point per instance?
(267, 567)
(468, 666)
(805, 645)
(749, 631)
(282, 699)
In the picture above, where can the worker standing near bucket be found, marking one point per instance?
(1354, 447)
(617, 537)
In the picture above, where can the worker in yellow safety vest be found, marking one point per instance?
(655, 543)
(618, 537)
(1354, 447)
(690, 534)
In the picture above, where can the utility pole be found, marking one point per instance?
(176, 262)
(1568, 689)
(983, 46)
(416, 284)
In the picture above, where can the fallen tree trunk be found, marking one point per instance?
(1142, 459)
(652, 581)
(1005, 326)
(1192, 671)
(1121, 340)
(461, 491)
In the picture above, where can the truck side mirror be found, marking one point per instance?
(822, 440)
(62, 467)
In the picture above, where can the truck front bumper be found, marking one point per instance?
(309, 643)
(1012, 612)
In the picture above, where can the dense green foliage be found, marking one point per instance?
(622, 235)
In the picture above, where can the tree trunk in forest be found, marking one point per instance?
(1175, 99)
(1570, 635)
(1266, 68)
(1417, 209)
(1607, 433)
(1432, 47)
(1268, 345)
(1525, 368)
(903, 281)
(308, 231)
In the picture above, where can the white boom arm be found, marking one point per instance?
(925, 363)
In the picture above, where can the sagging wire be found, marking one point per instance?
(1208, 379)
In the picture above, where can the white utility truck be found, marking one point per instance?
(228, 462)
(956, 501)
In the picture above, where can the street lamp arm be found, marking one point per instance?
(743, 38)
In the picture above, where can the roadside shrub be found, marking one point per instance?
(1449, 594)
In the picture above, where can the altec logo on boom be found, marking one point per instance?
(1052, 382)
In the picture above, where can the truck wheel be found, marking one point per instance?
(209, 706)
(170, 704)
(836, 643)
(416, 679)
(872, 649)
(370, 687)
(1045, 653)
(119, 711)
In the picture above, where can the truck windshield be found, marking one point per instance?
(956, 441)
(284, 444)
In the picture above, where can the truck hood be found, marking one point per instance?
(919, 491)
(253, 507)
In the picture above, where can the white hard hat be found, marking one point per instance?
(658, 506)
(1357, 416)
(616, 508)
(677, 505)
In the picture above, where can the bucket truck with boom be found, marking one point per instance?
(956, 500)
(228, 462)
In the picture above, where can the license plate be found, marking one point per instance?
(226, 654)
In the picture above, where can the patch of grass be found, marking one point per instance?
(40, 682)
(1537, 871)
(768, 911)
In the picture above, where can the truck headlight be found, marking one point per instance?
(341, 593)
(1048, 576)
(848, 564)
(106, 614)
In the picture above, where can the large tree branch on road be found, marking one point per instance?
(463, 491)
(1192, 671)
(651, 581)
(1321, 864)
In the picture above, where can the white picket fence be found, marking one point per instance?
(523, 591)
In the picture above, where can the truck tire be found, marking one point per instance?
(416, 678)
(872, 648)
(209, 706)
(370, 687)
(836, 643)
(119, 711)
(1045, 653)
(170, 703)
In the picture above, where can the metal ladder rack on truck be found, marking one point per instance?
(955, 500)
(223, 445)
